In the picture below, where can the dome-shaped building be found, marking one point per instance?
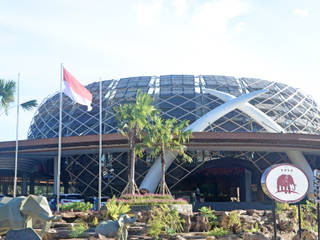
(240, 127)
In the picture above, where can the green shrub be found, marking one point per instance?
(77, 206)
(282, 207)
(234, 222)
(150, 199)
(78, 229)
(309, 216)
(209, 214)
(115, 209)
(253, 229)
(164, 221)
(218, 232)
(95, 221)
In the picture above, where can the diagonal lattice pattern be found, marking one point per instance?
(182, 97)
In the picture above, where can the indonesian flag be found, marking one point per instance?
(75, 90)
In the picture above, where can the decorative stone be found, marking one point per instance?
(305, 235)
(199, 223)
(254, 236)
(25, 234)
(181, 208)
(187, 222)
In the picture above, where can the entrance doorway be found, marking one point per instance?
(223, 180)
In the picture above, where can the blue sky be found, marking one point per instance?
(276, 40)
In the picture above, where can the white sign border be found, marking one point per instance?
(269, 194)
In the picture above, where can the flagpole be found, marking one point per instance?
(17, 141)
(100, 143)
(59, 143)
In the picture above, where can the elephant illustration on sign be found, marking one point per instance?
(18, 213)
(286, 184)
(117, 228)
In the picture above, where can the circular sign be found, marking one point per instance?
(285, 183)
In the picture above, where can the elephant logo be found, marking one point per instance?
(286, 184)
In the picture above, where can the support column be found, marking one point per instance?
(66, 185)
(248, 182)
(31, 185)
(24, 185)
(5, 188)
(55, 175)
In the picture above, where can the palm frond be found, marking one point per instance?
(29, 105)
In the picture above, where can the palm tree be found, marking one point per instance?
(7, 90)
(166, 135)
(133, 118)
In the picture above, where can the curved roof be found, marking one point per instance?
(183, 97)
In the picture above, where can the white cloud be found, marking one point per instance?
(148, 13)
(181, 6)
(302, 13)
(240, 27)
(214, 16)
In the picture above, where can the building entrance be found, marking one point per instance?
(224, 180)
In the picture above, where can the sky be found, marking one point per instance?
(275, 40)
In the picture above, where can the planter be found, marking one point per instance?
(182, 208)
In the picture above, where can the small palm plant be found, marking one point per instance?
(164, 135)
(133, 119)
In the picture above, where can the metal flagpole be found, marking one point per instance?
(59, 143)
(17, 141)
(100, 141)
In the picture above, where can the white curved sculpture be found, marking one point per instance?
(153, 176)
(152, 179)
(264, 120)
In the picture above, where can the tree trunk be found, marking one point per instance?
(163, 172)
(131, 187)
(132, 171)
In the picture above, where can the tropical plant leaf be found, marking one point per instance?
(29, 105)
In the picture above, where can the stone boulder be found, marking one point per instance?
(254, 236)
(25, 234)
(187, 222)
(305, 235)
(199, 223)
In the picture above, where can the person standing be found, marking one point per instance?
(198, 194)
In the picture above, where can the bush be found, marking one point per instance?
(164, 221)
(95, 221)
(234, 222)
(78, 229)
(150, 199)
(218, 232)
(116, 208)
(209, 214)
(77, 206)
(253, 229)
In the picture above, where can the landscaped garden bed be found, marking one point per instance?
(164, 223)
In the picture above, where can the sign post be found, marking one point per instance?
(274, 219)
(285, 183)
(316, 183)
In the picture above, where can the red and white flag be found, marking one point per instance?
(75, 90)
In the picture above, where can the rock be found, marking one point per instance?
(231, 237)
(187, 222)
(100, 236)
(176, 237)
(54, 234)
(25, 234)
(211, 238)
(69, 217)
(83, 215)
(224, 220)
(199, 223)
(305, 235)
(62, 225)
(254, 236)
